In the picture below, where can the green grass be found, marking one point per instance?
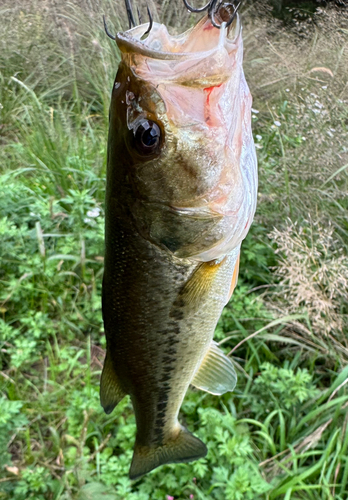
(283, 433)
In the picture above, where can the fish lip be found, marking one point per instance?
(130, 42)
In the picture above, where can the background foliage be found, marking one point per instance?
(283, 433)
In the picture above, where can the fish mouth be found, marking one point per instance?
(201, 57)
(203, 40)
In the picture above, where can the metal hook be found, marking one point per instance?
(130, 15)
(151, 22)
(212, 10)
(139, 16)
(192, 9)
(131, 20)
(232, 18)
(213, 7)
(234, 14)
(107, 31)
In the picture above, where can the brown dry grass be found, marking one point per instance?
(302, 84)
(313, 276)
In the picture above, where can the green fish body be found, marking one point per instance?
(173, 229)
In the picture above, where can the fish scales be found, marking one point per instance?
(157, 354)
(179, 201)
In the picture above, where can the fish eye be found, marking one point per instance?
(147, 137)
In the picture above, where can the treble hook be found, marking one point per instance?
(151, 22)
(131, 20)
(107, 31)
(192, 9)
(213, 7)
(130, 15)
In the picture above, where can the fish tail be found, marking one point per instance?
(183, 448)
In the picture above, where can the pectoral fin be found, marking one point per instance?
(198, 286)
(111, 392)
(216, 373)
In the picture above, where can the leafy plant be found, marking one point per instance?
(282, 435)
(281, 388)
(11, 422)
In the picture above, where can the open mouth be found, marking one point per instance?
(202, 39)
(201, 57)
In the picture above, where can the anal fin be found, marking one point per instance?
(111, 392)
(216, 373)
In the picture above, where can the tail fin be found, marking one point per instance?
(183, 448)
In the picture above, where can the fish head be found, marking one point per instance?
(180, 117)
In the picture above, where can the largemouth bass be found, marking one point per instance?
(180, 198)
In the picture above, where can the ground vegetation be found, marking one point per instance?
(283, 433)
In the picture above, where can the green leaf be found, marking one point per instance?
(96, 491)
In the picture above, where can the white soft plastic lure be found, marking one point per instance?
(181, 196)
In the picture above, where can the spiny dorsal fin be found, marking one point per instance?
(216, 373)
(111, 392)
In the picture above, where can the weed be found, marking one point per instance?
(283, 433)
(313, 272)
